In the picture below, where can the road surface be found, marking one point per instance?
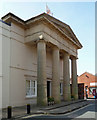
(88, 112)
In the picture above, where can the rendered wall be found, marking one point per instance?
(24, 66)
(23, 63)
(5, 65)
(19, 63)
(0, 66)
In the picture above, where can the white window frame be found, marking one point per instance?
(30, 96)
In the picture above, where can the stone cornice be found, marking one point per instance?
(52, 24)
(13, 18)
(42, 18)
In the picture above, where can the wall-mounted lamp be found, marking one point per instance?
(41, 37)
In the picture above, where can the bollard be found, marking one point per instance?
(9, 112)
(28, 108)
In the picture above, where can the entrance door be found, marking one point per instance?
(48, 88)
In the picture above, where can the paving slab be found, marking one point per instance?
(68, 108)
(61, 104)
(61, 108)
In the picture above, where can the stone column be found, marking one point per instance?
(66, 78)
(41, 73)
(55, 75)
(74, 78)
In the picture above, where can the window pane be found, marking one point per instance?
(27, 87)
(28, 91)
(32, 91)
(91, 90)
(27, 83)
(32, 83)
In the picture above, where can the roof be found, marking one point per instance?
(86, 73)
(86, 76)
(62, 27)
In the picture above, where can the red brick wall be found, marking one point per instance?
(87, 78)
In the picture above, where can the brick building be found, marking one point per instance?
(90, 84)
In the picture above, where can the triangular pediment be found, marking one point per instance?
(64, 28)
(59, 25)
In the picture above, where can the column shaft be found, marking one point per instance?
(66, 78)
(56, 75)
(74, 79)
(41, 74)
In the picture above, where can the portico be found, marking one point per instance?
(50, 37)
(42, 78)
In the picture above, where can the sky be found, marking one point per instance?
(95, 38)
(79, 15)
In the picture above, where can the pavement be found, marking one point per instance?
(62, 108)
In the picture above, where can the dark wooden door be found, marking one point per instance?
(81, 90)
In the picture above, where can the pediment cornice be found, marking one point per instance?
(44, 18)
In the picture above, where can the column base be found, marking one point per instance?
(57, 101)
(76, 97)
(75, 92)
(41, 104)
(69, 99)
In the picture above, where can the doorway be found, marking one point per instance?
(48, 88)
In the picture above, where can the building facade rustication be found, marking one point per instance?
(35, 60)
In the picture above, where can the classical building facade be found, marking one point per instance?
(35, 60)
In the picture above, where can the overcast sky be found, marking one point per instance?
(79, 15)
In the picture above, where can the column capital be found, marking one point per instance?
(73, 57)
(42, 40)
(55, 47)
(64, 52)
